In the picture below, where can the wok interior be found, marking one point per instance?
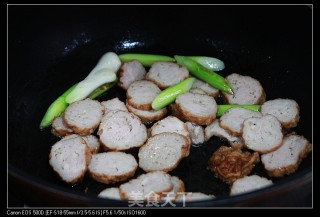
(56, 47)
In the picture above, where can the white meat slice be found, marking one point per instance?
(140, 94)
(153, 185)
(122, 131)
(69, 158)
(249, 183)
(214, 129)
(84, 116)
(206, 88)
(166, 74)
(110, 193)
(162, 152)
(112, 167)
(197, 108)
(196, 133)
(59, 128)
(262, 134)
(130, 72)
(285, 110)
(170, 124)
(148, 116)
(287, 158)
(232, 120)
(247, 90)
(193, 196)
(113, 105)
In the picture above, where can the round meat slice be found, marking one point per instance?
(69, 158)
(93, 143)
(113, 105)
(130, 72)
(84, 116)
(198, 91)
(214, 129)
(232, 120)
(112, 167)
(172, 124)
(246, 90)
(285, 110)
(122, 131)
(140, 94)
(287, 158)
(206, 88)
(175, 112)
(150, 186)
(165, 74)
(193, 196)
(262, 134)
(178, 187)
(196, 133)
(162, 152)
(59, 128)
(110, 193)
(197, 108)
(249, 183)
(148, 116)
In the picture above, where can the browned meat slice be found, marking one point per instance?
(230, 164)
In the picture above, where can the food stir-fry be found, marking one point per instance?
(178, 95)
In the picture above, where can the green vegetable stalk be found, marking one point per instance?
(204, 74)
(100, 90)
(223, 108)
(145, 59)
(169, 95)
(211, 63)
(55, 109)
(60, 104)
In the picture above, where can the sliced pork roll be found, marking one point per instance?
(247, 90)
(122, 131)
(130, 72)
(112, 167)
(197, 108)
(165, 74)
(84, 116)
(69, 158)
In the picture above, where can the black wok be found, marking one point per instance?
(53, 47)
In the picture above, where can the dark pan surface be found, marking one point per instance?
(51, 48)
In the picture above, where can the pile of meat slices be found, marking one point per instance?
(192, 121)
